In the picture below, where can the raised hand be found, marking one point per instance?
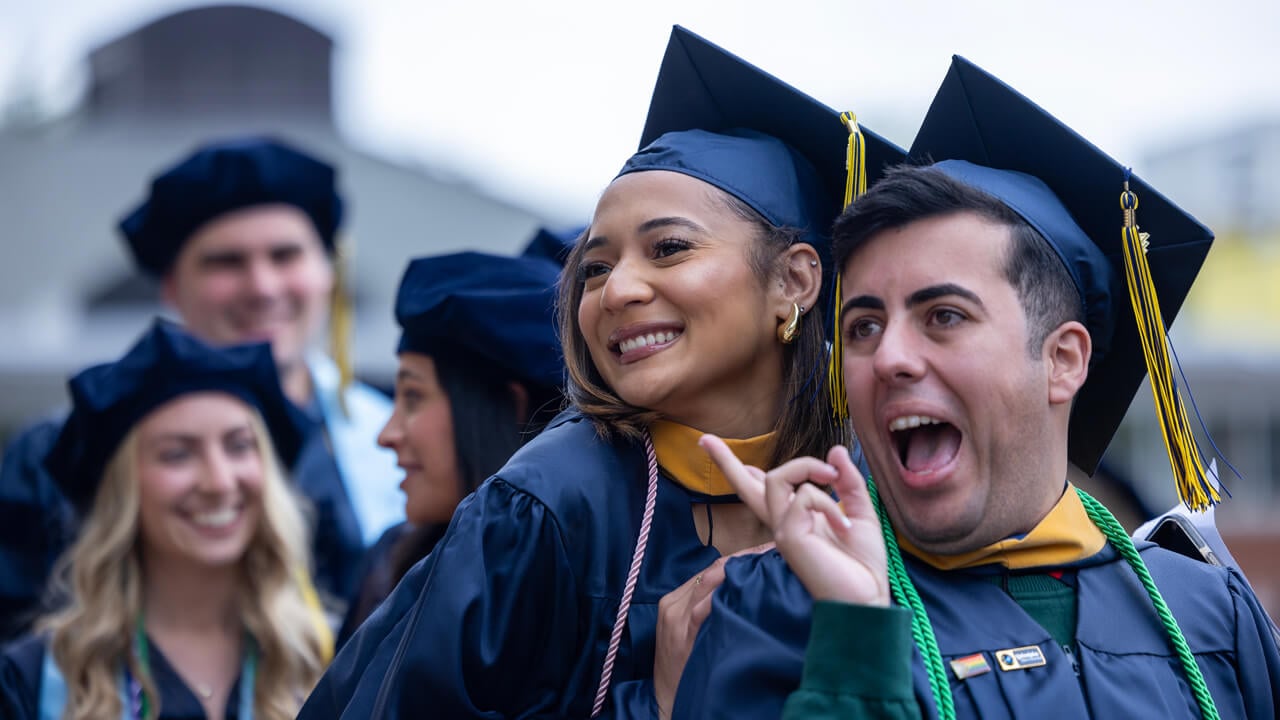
(836, 549)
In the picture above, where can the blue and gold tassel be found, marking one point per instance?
(1194, 488)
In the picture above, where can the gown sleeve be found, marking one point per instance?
(1257, 656)
(20, 666)
(38, 526)
(487, 626)
(749, 652)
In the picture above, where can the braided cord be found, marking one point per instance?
(624, 605)
(1120, 540)
(904, 593)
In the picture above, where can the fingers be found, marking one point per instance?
(749, 485)
(799, 516)
(849, 484)
(781, 483)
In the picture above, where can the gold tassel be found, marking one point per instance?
(340, 320)
(1194, 489)
(854, 186)
(311, 599)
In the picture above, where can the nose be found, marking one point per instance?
(264, 279)
(219, 472)
(897, 356)
(626, 284)
(391, 433)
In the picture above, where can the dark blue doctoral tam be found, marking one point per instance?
(109, 399)
(222, 177)
(498, 309)
(552, 244)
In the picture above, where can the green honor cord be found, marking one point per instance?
(1123, 544)
(248, 674)
(905, 595)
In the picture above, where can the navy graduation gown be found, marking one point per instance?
(20, 676)
(749, 654)
(510, 615)
(337, 546)
(38, 525)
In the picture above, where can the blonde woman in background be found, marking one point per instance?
(187, 592)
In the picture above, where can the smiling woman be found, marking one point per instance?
(570, 583)
(187, 593)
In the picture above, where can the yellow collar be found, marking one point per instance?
(1064, 536)
(691, 467)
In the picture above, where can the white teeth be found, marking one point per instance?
(217, 518)
(645, 340)
(912, 421)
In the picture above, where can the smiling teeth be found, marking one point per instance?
(912, 421)
(216, 519)
(644, 340)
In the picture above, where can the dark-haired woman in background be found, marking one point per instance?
(479, 375)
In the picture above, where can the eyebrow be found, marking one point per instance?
(919, 297)
(933, 292)
(649, 226)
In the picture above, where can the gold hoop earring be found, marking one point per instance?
(788, 331)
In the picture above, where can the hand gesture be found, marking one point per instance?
(836, 549)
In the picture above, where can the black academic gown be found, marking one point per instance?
(20, 674)
(750, 652)
(510, 615)
(39, 523)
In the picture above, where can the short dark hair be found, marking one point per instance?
(909, 193)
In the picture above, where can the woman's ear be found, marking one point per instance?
(1066, 354)
(520, 398)
(799, 280)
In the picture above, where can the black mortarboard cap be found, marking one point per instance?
(225, 176)
(987, 135)
(720, 119)
(108, 400)
(498, 309)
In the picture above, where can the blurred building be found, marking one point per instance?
(68, 293)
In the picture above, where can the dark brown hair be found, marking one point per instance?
(909, 193)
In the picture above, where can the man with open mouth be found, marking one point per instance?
(988, 341)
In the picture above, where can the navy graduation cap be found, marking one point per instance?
(499, 309)
(222, 177)
(987, 135)
(108, 400)
(717, 118)
(552, 245)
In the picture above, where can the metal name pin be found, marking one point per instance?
(1020, 658)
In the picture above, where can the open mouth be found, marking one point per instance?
(925, 444)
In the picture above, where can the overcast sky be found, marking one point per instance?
(542, 101)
